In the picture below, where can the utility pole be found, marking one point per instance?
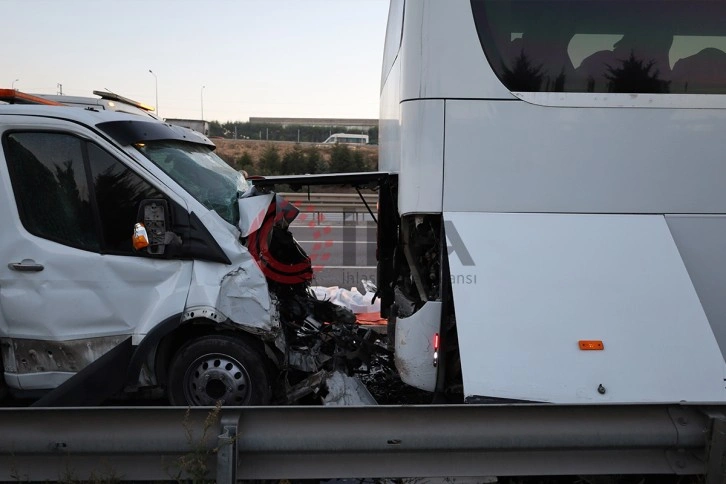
(156, 90)
(202, 96)
(60, 89)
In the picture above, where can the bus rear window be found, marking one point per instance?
(619, 46)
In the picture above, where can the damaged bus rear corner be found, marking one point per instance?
(413, 269)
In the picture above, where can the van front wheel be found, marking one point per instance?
(218, 368)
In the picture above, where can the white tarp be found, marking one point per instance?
(350, 298)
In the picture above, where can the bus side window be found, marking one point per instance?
(678, 46)
(699, 65)
(637, 63)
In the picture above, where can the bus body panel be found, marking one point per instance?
(422, 154)
(441, 55)
(389, 136)
(541, 283)
(700, 241)
(517, 157)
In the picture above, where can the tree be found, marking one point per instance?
(635, 76)
(357, 162)
(524, 76)
(245, 162)
(269, 163)
(215, 129)
(293, 162)
(313, 161)
(372, 162)
(341, 159)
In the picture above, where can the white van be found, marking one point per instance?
(347, 138)
(215, 308)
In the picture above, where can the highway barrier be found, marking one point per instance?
(166, 443)
(349, 204)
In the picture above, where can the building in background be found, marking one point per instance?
(362, 124)
(198, 125)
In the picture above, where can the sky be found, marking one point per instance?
(232, 58)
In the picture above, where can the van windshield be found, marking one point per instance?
(203, 174)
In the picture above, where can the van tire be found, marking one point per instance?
(217, 368)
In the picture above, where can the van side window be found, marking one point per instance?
(118, 192)
(51, 189)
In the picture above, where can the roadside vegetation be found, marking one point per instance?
(278, 132)
(274, 149)
(278, 158)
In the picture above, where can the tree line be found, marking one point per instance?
(302, 160)
(278, 132)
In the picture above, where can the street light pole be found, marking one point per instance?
(202, 96)
(156, 90)
(13, 84)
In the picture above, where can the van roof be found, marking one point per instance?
(105, 101)
(124, 127)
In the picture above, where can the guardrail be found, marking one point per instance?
(321, 199)
(155, 443)
(321, 203)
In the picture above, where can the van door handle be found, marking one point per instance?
(26, 265)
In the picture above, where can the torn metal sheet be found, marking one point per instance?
(307, 359)
(252, 212)
(244, 298)
(309, 385)
(240, 294)
(225, 234)
(346, 390)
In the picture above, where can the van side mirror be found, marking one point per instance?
(154, 217)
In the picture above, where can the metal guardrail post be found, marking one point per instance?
(227, 449)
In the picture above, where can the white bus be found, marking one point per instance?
(347, 138)
(557, 230)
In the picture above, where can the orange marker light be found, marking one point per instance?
(591, 345)
(140, 238)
